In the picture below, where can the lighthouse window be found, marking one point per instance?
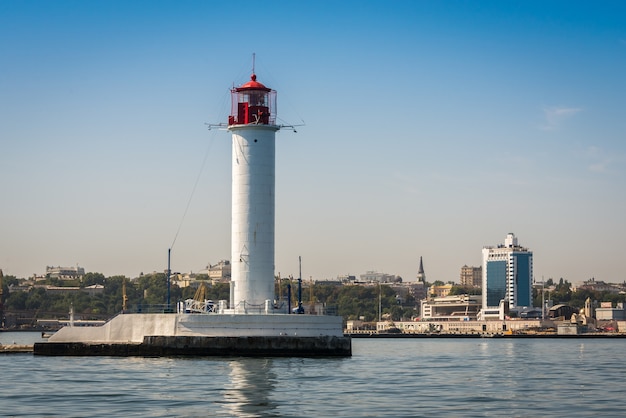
(257, 98)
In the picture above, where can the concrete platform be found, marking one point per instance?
(203, 335)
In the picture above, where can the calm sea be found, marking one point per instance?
(384, 377)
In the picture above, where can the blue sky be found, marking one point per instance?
(431, 129)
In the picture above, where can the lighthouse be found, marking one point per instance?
(252, 123)
(251, 324)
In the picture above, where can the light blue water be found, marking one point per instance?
(384, 377)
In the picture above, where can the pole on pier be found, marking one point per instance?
(169, 272)
(300, 308)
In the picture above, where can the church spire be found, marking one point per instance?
(421, 276)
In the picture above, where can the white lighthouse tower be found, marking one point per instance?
(252, 123)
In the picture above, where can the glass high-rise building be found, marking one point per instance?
(507, 275)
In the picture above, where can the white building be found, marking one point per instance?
(451, 308)
(65, 273)
(507, 275)
(219, 272)
(374, 276)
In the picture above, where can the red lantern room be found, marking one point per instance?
(252, 104)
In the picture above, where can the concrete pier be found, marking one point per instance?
(15, 348)
(260, 346)
(203, 335)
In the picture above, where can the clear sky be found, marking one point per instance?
(432, 128)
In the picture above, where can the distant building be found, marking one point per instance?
(61, 290)
(24, 287)
(507, 273)
(562, 312)
(471, 276)
(183, 280)
(220, 272)
(606, 312)
(65, 273)
(346, 278)
(418, 290)
(94, 289)
(440, 291)
(374, 276)
(599, 286)
(451, 308)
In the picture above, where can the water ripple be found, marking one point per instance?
(384, 378)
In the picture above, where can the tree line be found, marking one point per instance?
(147, 290)
(349, 301)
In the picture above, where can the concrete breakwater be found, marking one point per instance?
(16, 348)
(261, 346)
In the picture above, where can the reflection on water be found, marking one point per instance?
(248, 392)
(581, 352)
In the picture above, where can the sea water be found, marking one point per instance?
(385, 377)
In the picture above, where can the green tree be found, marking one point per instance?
(16, 301)
(93, 278)
(9, 280)
(36, 300)
(465, 290)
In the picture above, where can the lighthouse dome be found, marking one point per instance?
(253, 85)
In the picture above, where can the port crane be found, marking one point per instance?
(200, 303)
(124, 296)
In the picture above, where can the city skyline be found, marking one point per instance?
(430, 129)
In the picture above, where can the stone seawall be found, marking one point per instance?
(163, 346)
(16, 348)
(486, 335)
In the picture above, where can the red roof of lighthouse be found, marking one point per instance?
(253, 85)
